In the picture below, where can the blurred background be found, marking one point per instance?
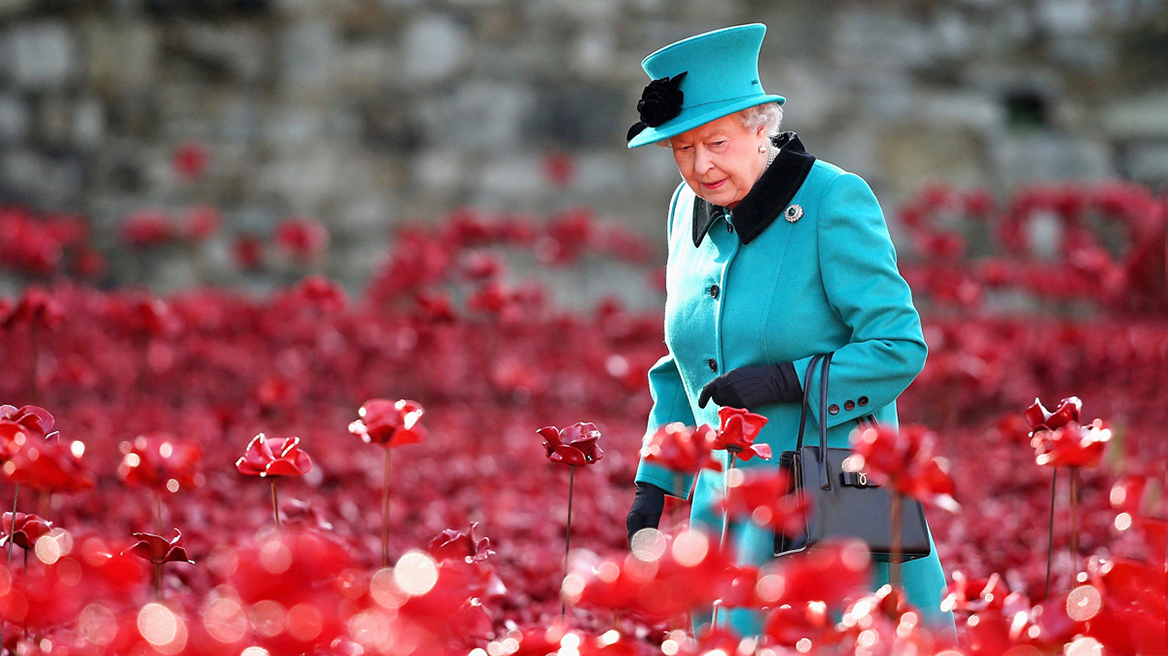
(200, 127)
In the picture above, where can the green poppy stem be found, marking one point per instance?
(385, 513)
(275, 503)
(568, 536)
(1050, 531)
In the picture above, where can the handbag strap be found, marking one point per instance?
(824, 479)
(806, 398)
(825, 361)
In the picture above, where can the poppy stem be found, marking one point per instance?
(1050, 531)
(568, 537)
(1074, 521)
(385, 513)
(275, 503)
(894, 559)
(11, 532)
(726, 512)
(158, 510)
(158, 580)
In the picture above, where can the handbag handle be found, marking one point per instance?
(825, 359)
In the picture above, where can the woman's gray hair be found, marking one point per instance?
(767, 114)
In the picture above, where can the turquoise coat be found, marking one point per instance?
(803, 265)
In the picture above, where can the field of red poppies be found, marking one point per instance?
(403, 500)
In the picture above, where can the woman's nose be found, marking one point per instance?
(702, 162)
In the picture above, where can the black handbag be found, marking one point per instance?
(844, 504)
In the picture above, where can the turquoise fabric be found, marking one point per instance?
(721, 78)
(825, 282)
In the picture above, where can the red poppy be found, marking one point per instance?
(157, 550)
(389, 423)
(1067, 412)
(302, 238)
(25, 531)
(682, 448)
(737, 433)
(274, 456)
(456, 545)
(160, 461)
(969, 595)
(574, 445)
(1071, 445)
(48, 465)
(906, 459)
(30, 416)
(190, 160)
(763, 496)
(833, 573)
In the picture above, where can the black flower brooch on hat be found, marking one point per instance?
(660, 101)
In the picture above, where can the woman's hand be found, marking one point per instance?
(648, 504)
(752, 387)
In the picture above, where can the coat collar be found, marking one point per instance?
(766, 200)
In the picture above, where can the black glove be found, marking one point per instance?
(647, 507)
(751, 387)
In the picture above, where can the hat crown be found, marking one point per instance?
(722, 65)
(721, 77)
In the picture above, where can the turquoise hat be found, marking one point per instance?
(698, 80)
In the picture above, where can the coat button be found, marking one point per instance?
(849, 405)
(833, 409)
(713, 364)
(863, 401)
(714, 291)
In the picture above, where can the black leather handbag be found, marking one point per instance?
(844, 504)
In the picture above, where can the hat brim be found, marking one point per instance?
(693, 117)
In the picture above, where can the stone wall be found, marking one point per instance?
(367, 113)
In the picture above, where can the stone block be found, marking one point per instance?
(1144, 116)
(15, 118)
(866, 38)
(237, 50)
(42, 55)
(308, 56)
(1023, 159)
(478, 114)
(593, 52)
(434, 47)
(510, 179)
(913, 156)
(1147, 163)
(121, 55)
(13, 7)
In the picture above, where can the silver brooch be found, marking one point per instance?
(793, 213)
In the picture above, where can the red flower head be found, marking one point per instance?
(906, 459)
(47, 464)
(737, 433)
(30, 417)
(302, 238)
(574, 445)
(25, 531)
(1067, 412)
(456, 545)
(833, 573)
(161, 462)
(158, 550)
(274, 456)
(389, 423)
(763, 496)
(682, 448)
(1059, 440)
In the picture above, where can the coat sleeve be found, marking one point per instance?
(866, 292)
(670, 404)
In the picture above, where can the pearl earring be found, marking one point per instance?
(762, 148)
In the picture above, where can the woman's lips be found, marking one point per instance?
(714, 185)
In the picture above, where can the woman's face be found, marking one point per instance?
(720, 160)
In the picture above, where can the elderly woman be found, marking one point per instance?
(774, 256)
